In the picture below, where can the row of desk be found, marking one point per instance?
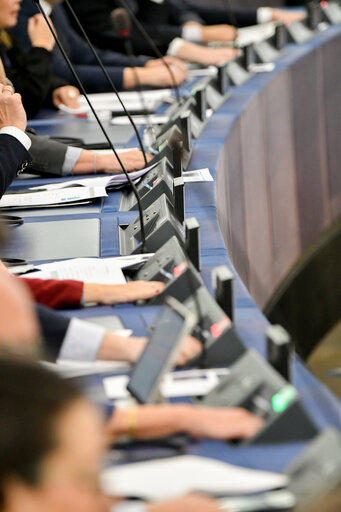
(230, 148)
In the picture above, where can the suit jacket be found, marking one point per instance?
(14, 158)
(31, 75)
(47, 155)
(77, 50)
(53, 327)
(163, 22)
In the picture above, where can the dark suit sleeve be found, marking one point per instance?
(31, 75)
(215, 15)
(48, 156)
(14, 158)
(53, 327)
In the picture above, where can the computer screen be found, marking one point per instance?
(173, 324)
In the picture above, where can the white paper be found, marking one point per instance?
(255, 34)
(53, 197)
(197, 176)
(176, 384)
(169, 478)
(140, 120)
(208, 71)
(111, 180)
(131, 100)
(90, 270)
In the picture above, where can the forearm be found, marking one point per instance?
(149, 421)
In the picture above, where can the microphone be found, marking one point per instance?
(120, 21)
(100, 124)
(106, 74)
(153, 46)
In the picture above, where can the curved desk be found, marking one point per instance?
(277, 187)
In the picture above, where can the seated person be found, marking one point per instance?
(49, 157)
(170, 19)
(18, 334)
(52, 448)
(78, 51)
(117, 65)
(31, 73)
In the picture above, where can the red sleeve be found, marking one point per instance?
(55, 294)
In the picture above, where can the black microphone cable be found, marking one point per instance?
(106, 74)
(81, 87)
(153, 46)
(120, 21)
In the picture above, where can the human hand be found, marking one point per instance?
(154, 76)
(39, 32)
(189, 348)
(12, 112)
(220, 423)
(171, 61)
(286, 16)
(221, 33)
(190, 503)
(215, 56)
(132, 160)
(66, 95)
(122, 293)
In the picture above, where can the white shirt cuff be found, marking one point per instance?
(82, 341)
(174, 47)
(192, 33)
(264, 14)
(47, 8)
(17, 134)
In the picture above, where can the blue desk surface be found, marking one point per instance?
(250, 324)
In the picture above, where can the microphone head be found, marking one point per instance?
(120, 20)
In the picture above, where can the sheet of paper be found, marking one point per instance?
(197, 176)
(53, 197)
(168, 478)
(131, 100)
(176, 384)
(209, 71)
(90, 270)
(255, 34)
(70, 369)
(140, 120)
(108, 181)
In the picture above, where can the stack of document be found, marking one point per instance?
(90, 270)
(170, 478)
(73, 195)
(107, 182)
(131, 99)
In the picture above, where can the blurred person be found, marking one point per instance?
(150, 72)
(148, 421)
(170, 19)
(46, 465)
(31, 73)
(118, 65)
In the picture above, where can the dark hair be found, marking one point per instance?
(31, 398)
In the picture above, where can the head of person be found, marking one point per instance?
(51, 443)
(9, 10)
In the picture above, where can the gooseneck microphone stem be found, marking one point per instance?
(81, 87)
(107, 76)
(121, 23)
(153, 46)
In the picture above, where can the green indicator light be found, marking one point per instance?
(163, 145)
(193, 92)
(281, 400)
